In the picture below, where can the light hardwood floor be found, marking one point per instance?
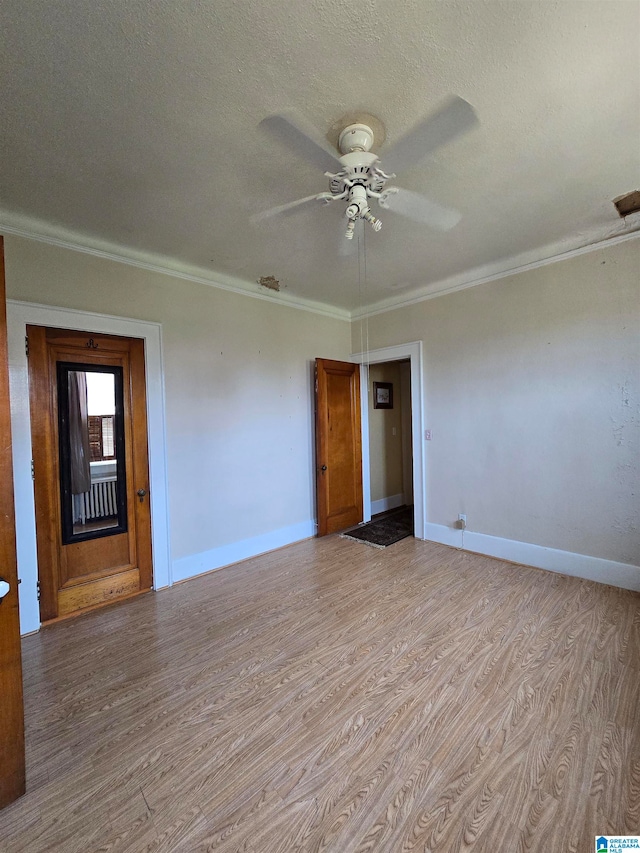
(335, 697)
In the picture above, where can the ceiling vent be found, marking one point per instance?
(627, 204)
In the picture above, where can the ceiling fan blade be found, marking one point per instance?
(284, 208)
(348, 248)
(453, 118)
(303, 139)
(419, 208)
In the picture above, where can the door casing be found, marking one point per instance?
(400, 352)
(21, 314)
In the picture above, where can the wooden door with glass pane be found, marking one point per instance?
(91, 470)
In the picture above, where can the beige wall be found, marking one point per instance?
(385, 448)
(531, 391)
(238, 385)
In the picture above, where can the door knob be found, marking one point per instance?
(4, 588)
(323, 468)
(141, 493)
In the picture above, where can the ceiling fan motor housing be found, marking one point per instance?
(359, 168)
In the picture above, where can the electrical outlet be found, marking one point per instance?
(427, 435)
(462, 521)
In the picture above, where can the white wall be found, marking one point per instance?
(239, 395)
(531, 391)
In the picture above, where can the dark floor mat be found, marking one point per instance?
(381, 532)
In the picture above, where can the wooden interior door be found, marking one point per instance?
(12, 771)
(93, 547)
(338, 445)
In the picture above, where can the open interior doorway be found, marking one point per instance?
(390, 450)
(411, 390)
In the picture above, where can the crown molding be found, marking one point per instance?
(584, 243)
(31, 229)
(587, 241)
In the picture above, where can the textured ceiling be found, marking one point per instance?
(134, 127)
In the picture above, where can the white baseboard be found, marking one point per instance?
(386, 503)
(623, 575)
(443, 534)
(216, 558)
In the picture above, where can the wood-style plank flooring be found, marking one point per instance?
(335, 697)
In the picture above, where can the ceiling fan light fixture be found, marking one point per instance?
(360, 177)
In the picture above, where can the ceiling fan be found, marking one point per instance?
(355, 173)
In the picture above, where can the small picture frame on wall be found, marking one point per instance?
(383, 395)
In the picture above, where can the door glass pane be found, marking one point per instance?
(91, 428)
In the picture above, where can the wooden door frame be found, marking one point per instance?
(400, 352)
(12, 746)
(19, 315)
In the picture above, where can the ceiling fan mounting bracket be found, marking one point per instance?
(355, 137)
